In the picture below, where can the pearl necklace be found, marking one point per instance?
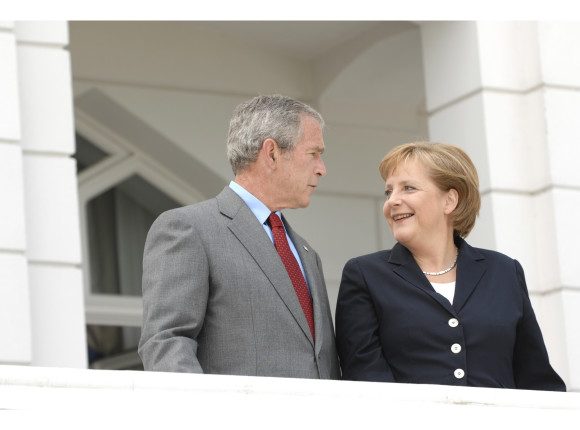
(446, 270)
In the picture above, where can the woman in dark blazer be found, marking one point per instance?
(433, 309)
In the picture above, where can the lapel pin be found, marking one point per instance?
(305, 247)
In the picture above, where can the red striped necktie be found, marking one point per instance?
(292, 268)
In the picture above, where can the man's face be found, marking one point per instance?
(301, 168)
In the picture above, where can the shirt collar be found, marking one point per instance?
(259, 209)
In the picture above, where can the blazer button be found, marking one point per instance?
(455, 348)
(459, 373)
(453, 322)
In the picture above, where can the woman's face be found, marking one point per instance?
(417, 211)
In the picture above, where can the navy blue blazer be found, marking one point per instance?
(392, 326)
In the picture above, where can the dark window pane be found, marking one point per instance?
(87, 153)
(113, 347)
(118, 221)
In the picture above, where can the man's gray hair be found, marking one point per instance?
(265, 117)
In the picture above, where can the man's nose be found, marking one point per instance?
(321, 168)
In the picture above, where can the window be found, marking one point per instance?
(117, 224)
(87, 154)
(113, 347)
(121, 193)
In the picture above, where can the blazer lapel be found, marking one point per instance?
(407, 268)
(244, 225)
(470, 270)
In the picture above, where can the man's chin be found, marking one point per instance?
(299, 204)
(302, 204)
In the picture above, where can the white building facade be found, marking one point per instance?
(118, 121)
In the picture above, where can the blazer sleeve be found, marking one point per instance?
(531, 366)
(357, 326)
(175, 294)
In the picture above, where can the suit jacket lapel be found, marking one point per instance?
(469, 272)
(470, 269)
(407, 268)
(244, 225)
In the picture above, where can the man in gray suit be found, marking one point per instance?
(217, 295)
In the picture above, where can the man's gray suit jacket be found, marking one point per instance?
(217, 298)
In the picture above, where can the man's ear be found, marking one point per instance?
(270, 152)
(451, 201)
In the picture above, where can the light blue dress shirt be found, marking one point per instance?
(262, 213)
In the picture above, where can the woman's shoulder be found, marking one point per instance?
(493, 255)
(495, 259)
(371, 261)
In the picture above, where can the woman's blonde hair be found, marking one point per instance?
(448, 167)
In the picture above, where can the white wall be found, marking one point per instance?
(41, 290)
(14, 290)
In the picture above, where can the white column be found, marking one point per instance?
(50, 190)
(15, 334)
(505, 92)
(560, 65)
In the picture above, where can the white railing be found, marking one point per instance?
(77, 398)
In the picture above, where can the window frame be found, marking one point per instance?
(124, 160)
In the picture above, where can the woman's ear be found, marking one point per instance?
(451, 201)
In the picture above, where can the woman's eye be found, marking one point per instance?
(388, 193)
(409, 187)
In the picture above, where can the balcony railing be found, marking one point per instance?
(78, 398)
